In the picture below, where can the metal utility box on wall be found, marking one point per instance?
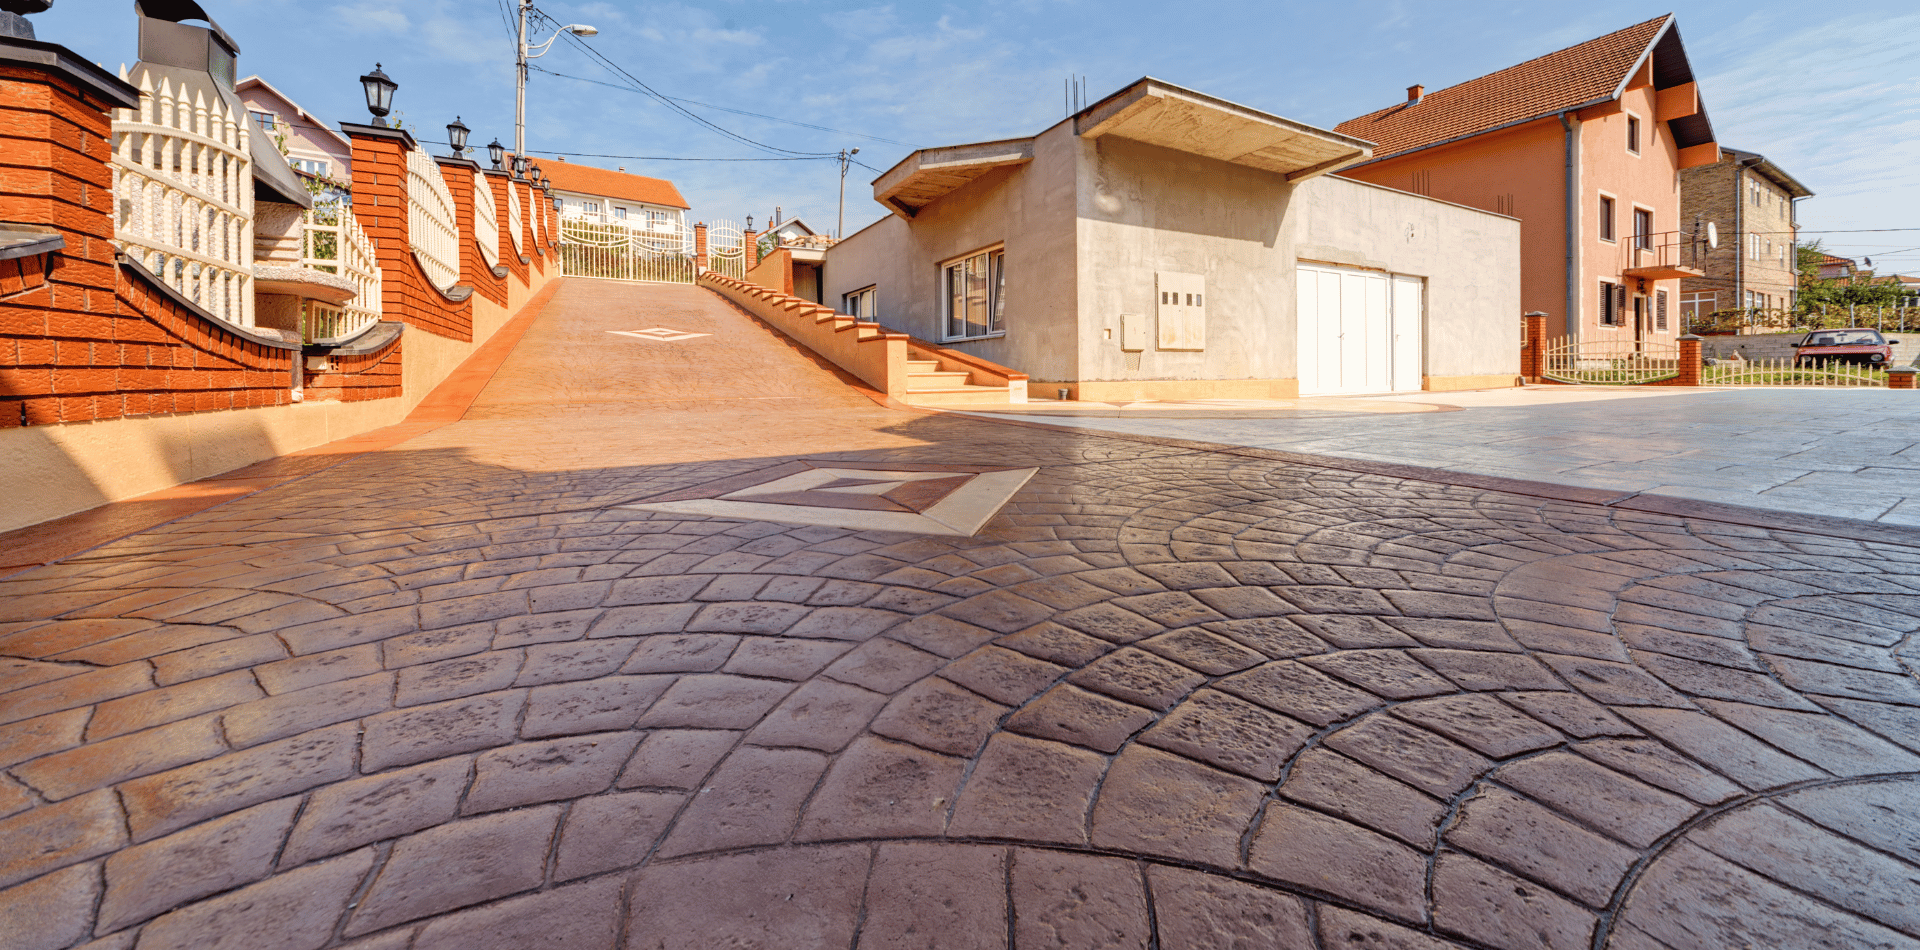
(1182, 314)
(1133, 332)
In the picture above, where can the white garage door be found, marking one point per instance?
(1359, 332)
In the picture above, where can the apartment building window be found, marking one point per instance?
(1606, 218)
(311, 166)
(1660, 310)
(590, 207)
(268, 121)
(620, 213)
(1753, 247)
(862, 304)
(1613, 300)
(1633, 134)
(975, 295)
(1642, 228)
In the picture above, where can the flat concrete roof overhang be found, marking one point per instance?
(1163, 114)
(930, 174)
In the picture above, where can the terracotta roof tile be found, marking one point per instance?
(1537, 87)
(588, 180)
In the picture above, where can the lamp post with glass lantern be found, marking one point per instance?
(379, 88)
(457, 132)
(498, 153)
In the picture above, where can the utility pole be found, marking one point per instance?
(520, 82)
(846, 156)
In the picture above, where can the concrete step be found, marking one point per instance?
(936, 379)
(923, 366)
(958, 396)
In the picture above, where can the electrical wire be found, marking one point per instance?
(709, 105)
(635, 81)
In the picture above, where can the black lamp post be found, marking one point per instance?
(535, 174)
(457, 137)
(519, 166)
(379, 88)
(497, 152)
(13, 17)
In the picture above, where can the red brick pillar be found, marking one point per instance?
(750, 243)
(700, 247)
(1901, 377)
(380, 203)
(1689, 361)
(1533, 347)
(64, 340)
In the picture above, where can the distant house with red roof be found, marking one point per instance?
(1582, 145)
(615, 197)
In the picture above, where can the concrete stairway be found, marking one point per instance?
(934, 381)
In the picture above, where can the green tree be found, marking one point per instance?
(1830, 293)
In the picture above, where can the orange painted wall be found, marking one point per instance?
(1521, 171)
(1517, 171)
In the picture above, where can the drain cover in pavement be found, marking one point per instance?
(920, 499)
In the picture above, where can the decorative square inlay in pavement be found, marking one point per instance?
(659, 334)
(921, 499)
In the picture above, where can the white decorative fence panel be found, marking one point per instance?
(614, 252)
(431, 223)
(1610, 362)
(1842, 374)
(515, 217)
(486, 221)
(727, 249)
(183, 197)
(331, 240)
(537, 215)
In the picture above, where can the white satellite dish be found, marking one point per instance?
(1713, 236)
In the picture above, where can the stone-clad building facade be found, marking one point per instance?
(1750, 200)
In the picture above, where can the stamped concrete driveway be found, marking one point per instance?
(1849, 453)
(458, 694)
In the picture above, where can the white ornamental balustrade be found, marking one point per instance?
(514, 217)
(332, 241)
(486, 221)
(183, 197)
(538, 216)
(432, 227)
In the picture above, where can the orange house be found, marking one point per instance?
(1585, 147)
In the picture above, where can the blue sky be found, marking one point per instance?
(1830, 93)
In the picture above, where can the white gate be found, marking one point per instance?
(659, 251)
(727, 249)
(1359, 331)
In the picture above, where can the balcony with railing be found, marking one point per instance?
(1667, 255)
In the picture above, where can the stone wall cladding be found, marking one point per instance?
(1716, 193)
(82, 338)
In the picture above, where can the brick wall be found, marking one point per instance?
(380, 202)
(360, 377)
(81, 337)
(474, 271)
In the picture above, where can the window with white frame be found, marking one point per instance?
(862, 304)
(620, 213)
(1633, 134)
(312, 166)
(1642, 228)
(268, 121)
(974, 292)
(1606, 217)
(1613, 300)
(590, 207)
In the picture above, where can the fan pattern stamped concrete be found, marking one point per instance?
(452, 695)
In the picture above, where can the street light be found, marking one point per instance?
(519, 166)
(520, 75)
(379, 88)
(846, 156)
(457, 132)
(497, 152)
(535, 174)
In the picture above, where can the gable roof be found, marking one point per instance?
(251, 82)
(1581, 75)
(588, 180)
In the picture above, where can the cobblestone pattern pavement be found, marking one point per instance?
(445, 697)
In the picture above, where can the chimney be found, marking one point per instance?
(776, 215)
(1415, 94)
(623, 169)
(559, 158)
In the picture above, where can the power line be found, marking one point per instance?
(635, 81)
(709, 105)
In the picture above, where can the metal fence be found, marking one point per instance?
(614, 252)
(727, 249)
(1609, 362)
(183, 197)
(1792, 371)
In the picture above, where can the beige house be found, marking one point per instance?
(1751, 202)
(601, 196)
(312, 146)
(1164, 244)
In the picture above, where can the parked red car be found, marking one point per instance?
(1853, 345)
